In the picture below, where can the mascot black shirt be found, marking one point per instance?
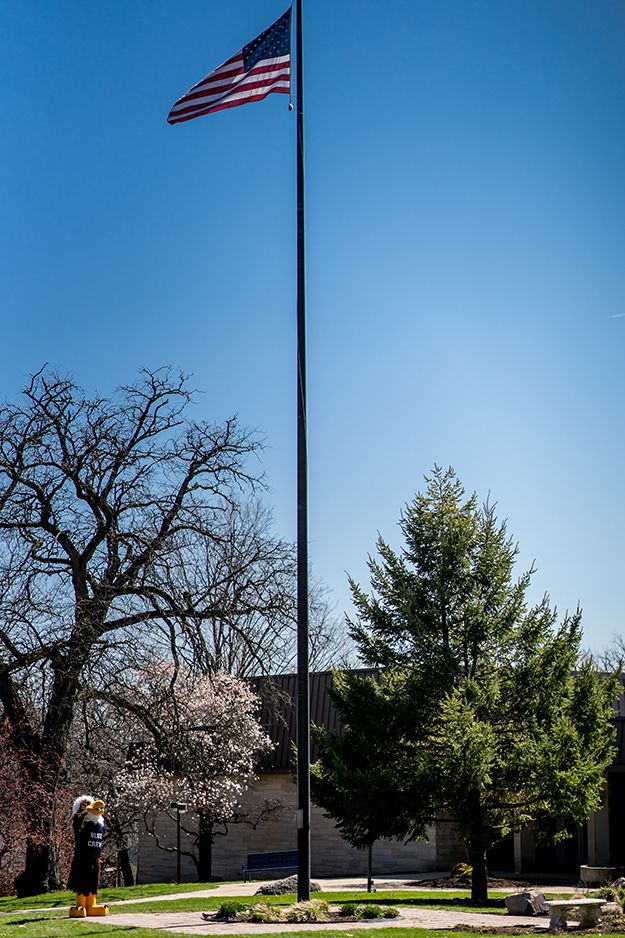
(89, 838)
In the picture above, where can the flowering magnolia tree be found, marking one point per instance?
(202, 742)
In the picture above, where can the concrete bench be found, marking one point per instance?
(589, 910)
(280, 860)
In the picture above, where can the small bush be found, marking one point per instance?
(611, 893)
(348, 910)
(314, 911)
(607, 892)
(230, 909)
(391, 913)
(462, 871)
(370, 911)
(261, 914)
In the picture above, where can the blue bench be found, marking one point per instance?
(279, 860)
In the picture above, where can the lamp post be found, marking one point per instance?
(179, 807)
(370, 867)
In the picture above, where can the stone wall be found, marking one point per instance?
(155, 865)
(330, 854)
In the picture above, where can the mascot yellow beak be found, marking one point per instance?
(97, 807)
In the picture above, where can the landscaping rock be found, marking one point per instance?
(531, 902)
(282, 887)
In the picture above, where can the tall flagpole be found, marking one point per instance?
(303, 695)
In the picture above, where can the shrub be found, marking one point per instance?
(391, 913)
(607, 892)
(261, 914)
(314, 911)
(348, 910)
(462, 871)
(612, 893)
(230, 909)
(371, 911)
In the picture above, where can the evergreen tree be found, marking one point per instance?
(478, 714)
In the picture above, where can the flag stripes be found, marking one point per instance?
(261, 68)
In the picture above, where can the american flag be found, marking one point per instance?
(261, 67)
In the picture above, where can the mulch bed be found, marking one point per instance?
(611, 923)
(464, 882)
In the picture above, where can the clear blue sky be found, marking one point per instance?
(466, 252)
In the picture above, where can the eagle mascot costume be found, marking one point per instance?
(84, 875)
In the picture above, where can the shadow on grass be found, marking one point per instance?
(443, 903)
(420, 901)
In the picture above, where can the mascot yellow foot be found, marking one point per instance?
(92, 908)
(79, 910)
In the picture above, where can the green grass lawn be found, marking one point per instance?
(18, 923)
(79, 929)
(66, 928)
(430, 899)
(460, 901)
(52, 900)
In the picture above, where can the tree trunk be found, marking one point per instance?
(54, 869)
(477, 856)
(125, 868)
(41, 869)
(205, 850)
(41, 759)
(35, 878)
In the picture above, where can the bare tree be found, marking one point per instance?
(330, 645)
(245, 581)
(611, 658)
(98, 498)
(248, 579)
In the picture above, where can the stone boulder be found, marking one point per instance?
(283, 887)
(531, 902)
